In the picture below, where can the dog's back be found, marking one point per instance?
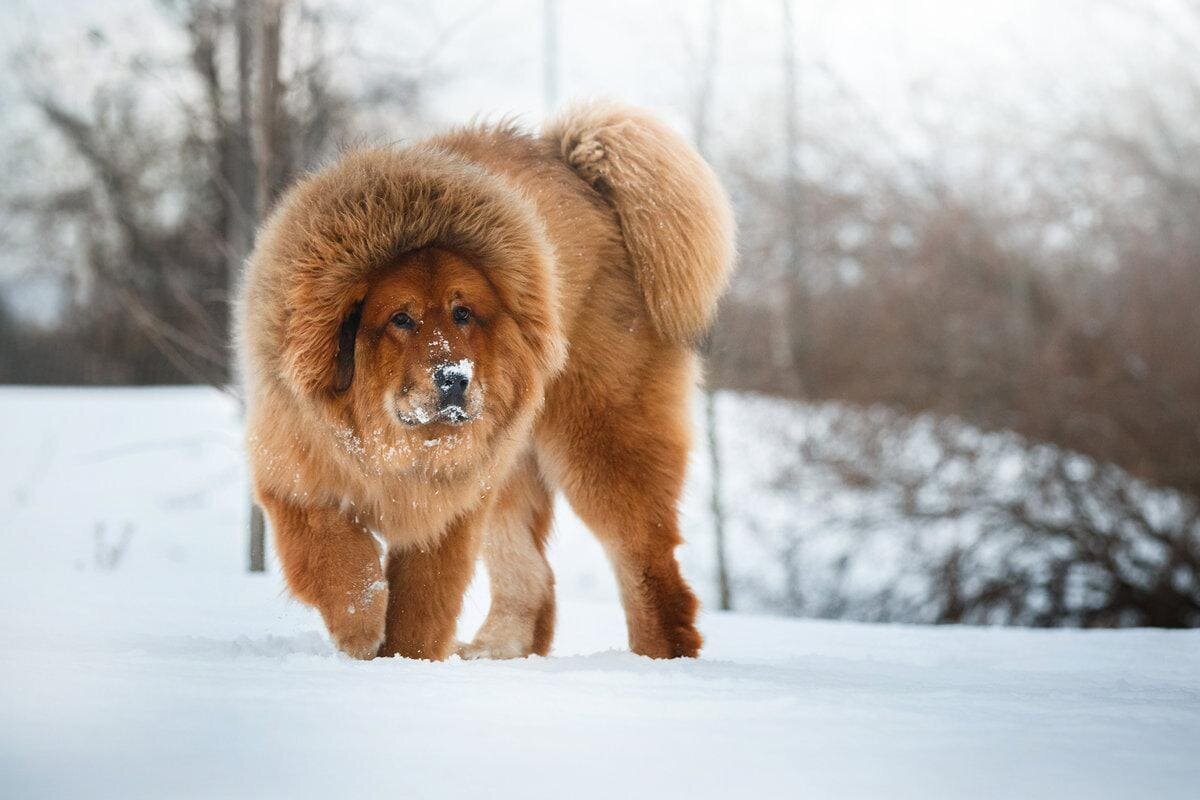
(646, 197)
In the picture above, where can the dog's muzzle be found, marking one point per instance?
(452, 382)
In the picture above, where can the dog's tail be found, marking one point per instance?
(675, 218)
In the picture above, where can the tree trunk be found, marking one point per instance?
(704, 94)
(791, 328)
(244, 215)
(258, 538)
(270, 133)
(262, 138)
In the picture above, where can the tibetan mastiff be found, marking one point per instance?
(436, 338)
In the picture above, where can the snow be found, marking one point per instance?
(149, 664)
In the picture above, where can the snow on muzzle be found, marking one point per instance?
(453, 381)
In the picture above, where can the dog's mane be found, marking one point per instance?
(318, 252)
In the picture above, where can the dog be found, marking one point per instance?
(434, 339)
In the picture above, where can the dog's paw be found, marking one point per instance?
(361, 644)
(494, 649)
(358, 627)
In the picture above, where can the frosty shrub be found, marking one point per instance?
(871, 515)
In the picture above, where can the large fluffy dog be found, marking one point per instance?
(436, 338)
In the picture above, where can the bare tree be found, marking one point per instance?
(700, 126)
(158, 305)
(272, 167)
(792, 282)
(1047, 286)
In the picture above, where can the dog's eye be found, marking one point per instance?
(402, 320)
(461, 315)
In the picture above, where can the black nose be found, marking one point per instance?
(452, 381)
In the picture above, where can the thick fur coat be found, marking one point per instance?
(436, 338)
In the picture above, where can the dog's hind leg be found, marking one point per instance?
(621, 464)
(520, 621)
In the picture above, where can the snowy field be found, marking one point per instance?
(140, 660)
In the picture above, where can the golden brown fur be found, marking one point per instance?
(586, 259)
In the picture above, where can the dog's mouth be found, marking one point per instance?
(453, 415)
(448, 415)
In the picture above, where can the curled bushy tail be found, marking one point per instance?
(675, 217)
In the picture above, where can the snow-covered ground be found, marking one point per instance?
(138, 659)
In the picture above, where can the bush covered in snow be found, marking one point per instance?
(871, 515)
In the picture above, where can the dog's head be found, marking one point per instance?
(406, 296)
(426, 336)
(431, 360)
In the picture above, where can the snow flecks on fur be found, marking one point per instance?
(464, 367)
(421, 415)
(439, 344)
(372, 591)
(381, 544)
(349, 441)
(400, 452)
(367, 595)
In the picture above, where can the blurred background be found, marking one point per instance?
(956, 379)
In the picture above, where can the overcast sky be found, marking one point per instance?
(974, 58)
(488, 55)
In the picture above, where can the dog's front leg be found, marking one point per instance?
(333, 565)
(426, 587)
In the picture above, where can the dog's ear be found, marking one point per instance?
(344, 360)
